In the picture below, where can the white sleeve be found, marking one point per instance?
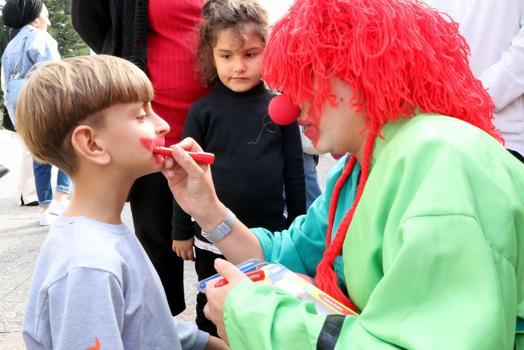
(504, 80)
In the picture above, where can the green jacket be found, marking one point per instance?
(434, 256)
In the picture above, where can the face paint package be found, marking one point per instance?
(277, 275)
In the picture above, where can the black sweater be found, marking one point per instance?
(113, 27)
(255, 159)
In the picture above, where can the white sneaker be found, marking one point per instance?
(57, 208)
(46, 218)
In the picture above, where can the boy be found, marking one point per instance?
(94, 286)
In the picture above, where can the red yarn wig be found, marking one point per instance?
(397, 56)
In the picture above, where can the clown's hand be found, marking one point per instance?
(216, 296)
(192, 185)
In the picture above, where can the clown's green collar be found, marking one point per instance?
(388, 133)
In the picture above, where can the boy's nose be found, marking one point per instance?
(161, 126)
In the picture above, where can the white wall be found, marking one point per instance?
(275, 8)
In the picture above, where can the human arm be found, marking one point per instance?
(191, 338)
(193, 189)
(422, 301)
(299, 248)
(504, 80)
(294, 178)
(91, 20)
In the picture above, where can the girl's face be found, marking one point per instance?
(339, 129)
(238, 60)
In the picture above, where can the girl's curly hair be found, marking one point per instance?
(226, 14)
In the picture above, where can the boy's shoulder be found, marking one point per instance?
(81, 243)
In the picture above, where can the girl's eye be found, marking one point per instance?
(225, 56)
(142, 116)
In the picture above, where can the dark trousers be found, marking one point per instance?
(204, 266)
(517, 155)
(152, 209)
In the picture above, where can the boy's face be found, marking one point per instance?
(125, 128)
(238, 61)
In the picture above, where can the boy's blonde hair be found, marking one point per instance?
(59, 96)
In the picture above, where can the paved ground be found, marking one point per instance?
(21, 238)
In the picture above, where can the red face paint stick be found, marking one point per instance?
(199, 157)
(255, 276)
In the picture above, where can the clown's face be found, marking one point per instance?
(339, 128)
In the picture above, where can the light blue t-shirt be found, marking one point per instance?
(94, 283)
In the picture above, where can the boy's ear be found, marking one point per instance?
(87, 145)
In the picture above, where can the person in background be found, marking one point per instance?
(31, 46)
(311, 157)
(420, 230)
(160, 37)
(255, 158)
(494, 31)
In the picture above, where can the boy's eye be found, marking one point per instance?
(142, 116)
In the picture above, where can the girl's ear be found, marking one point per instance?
(87, 146)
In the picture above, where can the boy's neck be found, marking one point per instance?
(99, 196)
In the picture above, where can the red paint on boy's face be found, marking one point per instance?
(150, 144)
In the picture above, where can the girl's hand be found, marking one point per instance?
(192, 185)
(216, 296)
(184, 249)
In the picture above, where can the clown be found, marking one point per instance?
(420, 230)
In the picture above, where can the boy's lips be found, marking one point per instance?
(150, 143)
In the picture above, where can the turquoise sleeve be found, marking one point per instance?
(421, 302)
(301, 246)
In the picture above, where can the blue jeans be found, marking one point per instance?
(312, 187)
(44, 192)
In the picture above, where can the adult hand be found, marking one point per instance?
(184, 249)
(192, 185)
(216, 296)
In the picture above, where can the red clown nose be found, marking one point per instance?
(282, 110)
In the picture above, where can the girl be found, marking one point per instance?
(255, 159)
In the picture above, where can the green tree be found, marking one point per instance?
(69, 42)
